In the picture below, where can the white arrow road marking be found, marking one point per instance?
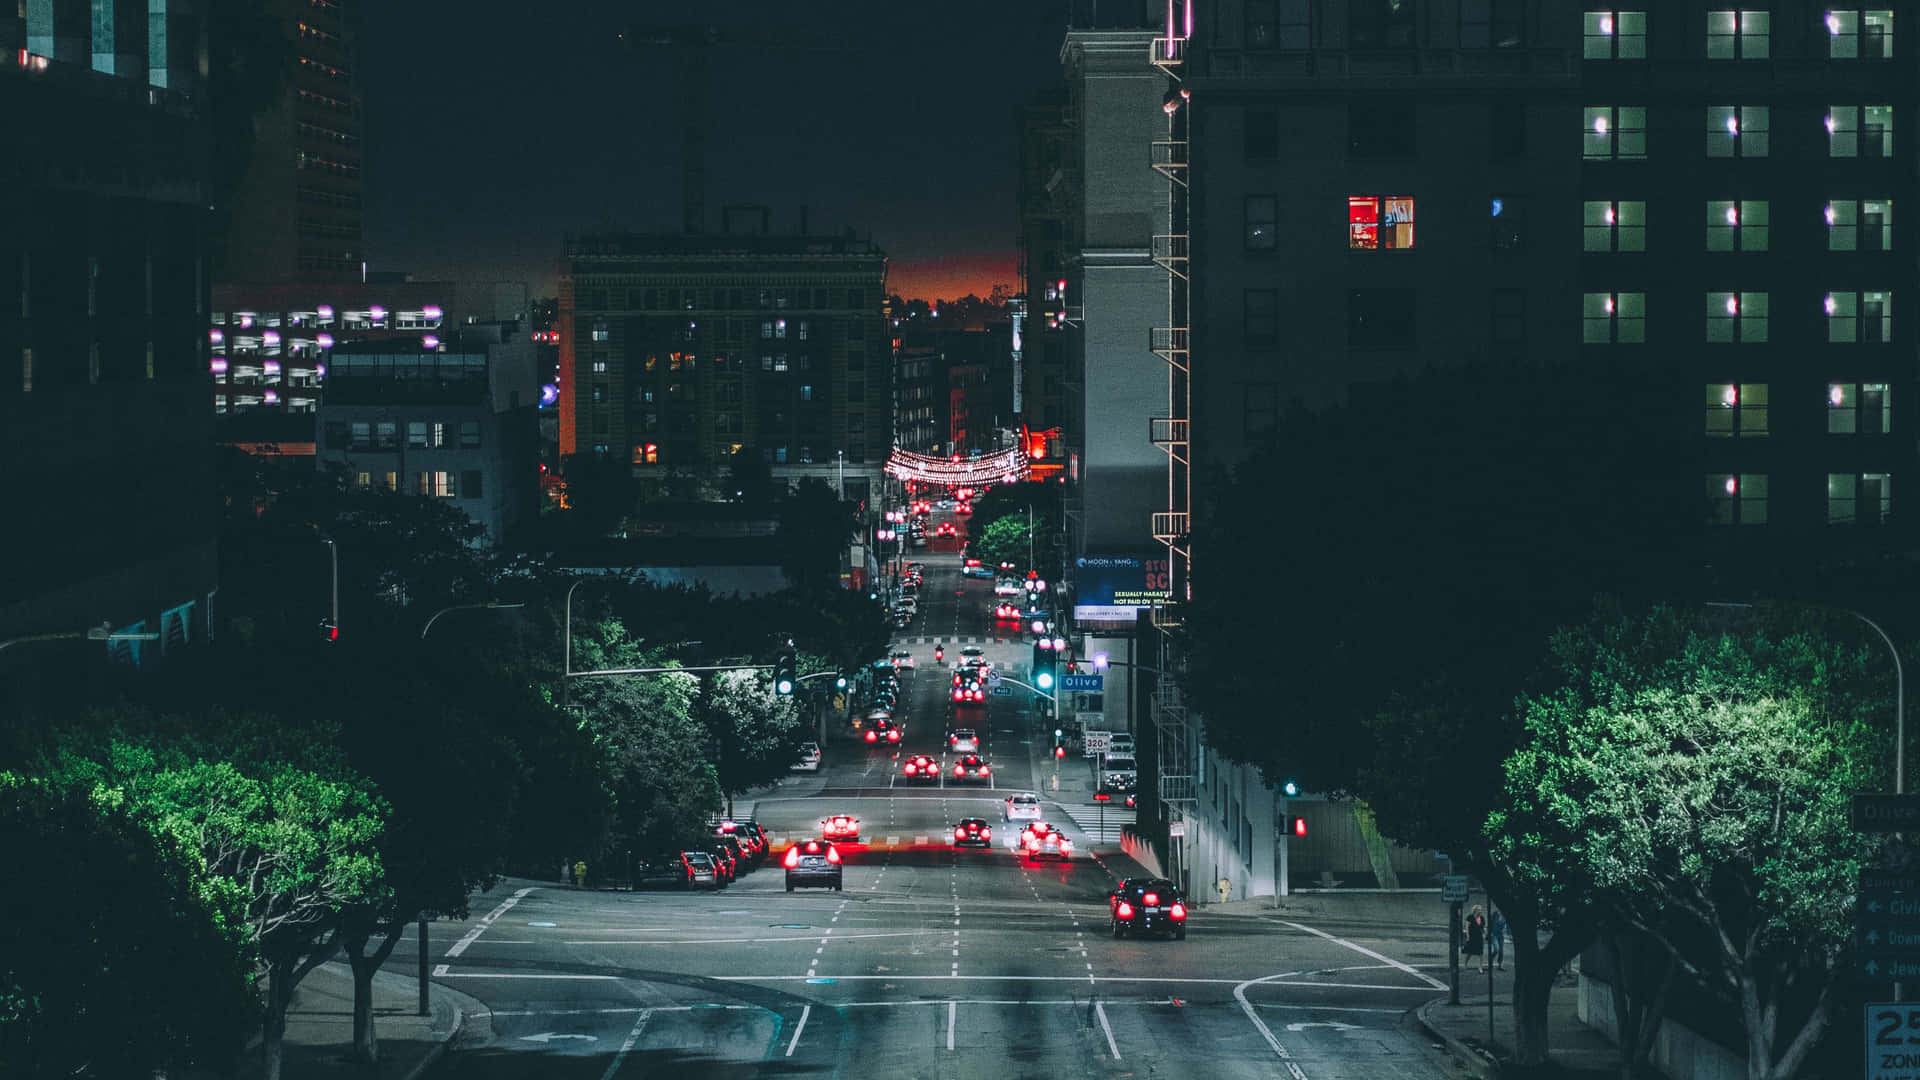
(549, 1036)
(1334, 1024)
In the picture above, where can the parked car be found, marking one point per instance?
(809, 760)
(724, 865)
(666, 870)
(704, 874)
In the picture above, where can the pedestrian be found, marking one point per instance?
(1476, 935)
(1497, 938)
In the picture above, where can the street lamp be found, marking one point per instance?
(491, 605)
(103, 632)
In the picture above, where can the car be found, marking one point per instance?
(1021, 806)
(1046, 842)
(964, 741)
(946, 529)
(964, 508)
(1120, 744)
(1006, 612)
(751, 844)
(972, 831)
(743, 859)
(1117, 772)
(724, 864)
(972, 768)
(902, 619)
(970, 690)
(972, 653)
(666, 869)
(809, 760)
(703, 874)
(883, 730)
(1006, 586)
(903, 660)
(843, 827)
(760, 838)
(921, 769)
(1147, 905)
(813, 863)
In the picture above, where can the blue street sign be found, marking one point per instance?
(1887, 926)
(1082, 682)
(1003, 691)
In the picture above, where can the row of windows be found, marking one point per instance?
(1741, 409)
(1619, 132)
(1732, 34)
(385, 435)
(1386, 223)
(707, 299)
(435, 483)
(1852, 498)
(1742, 317)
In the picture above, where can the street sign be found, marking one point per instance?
(1003, 691)
(1892, 1035)
(1082, 682)
(1176, 828)
(1094, 743)
(1886, 925)
(1453, 888)
(1881, 812)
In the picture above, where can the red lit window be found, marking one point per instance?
(1376, 223)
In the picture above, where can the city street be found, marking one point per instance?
(933, 962)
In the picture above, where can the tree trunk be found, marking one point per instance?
(273, 1028)
(1640, 1018)
(366, 1044)
(1535, 968)
(1761, 1042)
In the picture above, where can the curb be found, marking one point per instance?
(472, 1021)
(1466, 1056)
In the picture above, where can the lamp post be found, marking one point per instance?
(490, 605)
(333, 558)
(566, 653)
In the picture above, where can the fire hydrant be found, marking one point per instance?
(1225, 885)
(580, 873)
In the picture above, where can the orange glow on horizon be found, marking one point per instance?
(950, 277)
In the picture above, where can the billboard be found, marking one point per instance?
(1113, 588)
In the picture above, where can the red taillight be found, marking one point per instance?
(986, 833)
(871, 737)
(959, 834)
(909, 769)
(1125, 910)
(833, 855)
(984, 771)
(1151, 899)
(1179, 911)
(793, 857)
(957, 695)
(893, 736)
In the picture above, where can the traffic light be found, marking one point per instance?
(1296, 826)
(785, 674)
(329, 632)
(1290, 788)
(841, 682)
(1042, 666)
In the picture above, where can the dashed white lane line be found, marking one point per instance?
(805, 1011)
(1364, 951)
(953, 1009)
(487, 921)
(626, 1047)
(1100, 1010)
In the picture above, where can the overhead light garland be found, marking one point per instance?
(1006, 466)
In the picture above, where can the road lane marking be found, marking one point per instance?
(739, 941)
(953, 1009)
(1364, 951)
(626, 1047)
(1240, 993)
(1326, 1008)
(439, 969)
(805, 1012)
(487, 921)
(895, 977)
(1100, 1010)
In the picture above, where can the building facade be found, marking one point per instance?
(1040, 383)
(679, 352)
(103, 301)
(269, 344)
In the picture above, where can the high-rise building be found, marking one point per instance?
(679, 352)
(103, 301)
(296, 213)
(1040, 384)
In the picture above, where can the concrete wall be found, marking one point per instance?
(1678, 1051)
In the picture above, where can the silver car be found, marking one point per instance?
(1021, 806)
(964, 741)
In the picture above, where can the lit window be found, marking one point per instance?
(1736, 317)
(1736, 409)
(1860, 131)
(1615, 133)
(416, 434)
(599, 393)
(1737, 226)
(1616, 226)
(1859, 224)
(1860, 35)
(780, 329)
(600, 330)
(1737, 499)
(1739, 35)
(442, 484)
(1858, 409)
(1616, 35)
(1742, 131)
(1859, 498)
(1859, 317)
(1376, 223)
(1261, 211)
(599, 365)
(1614, 319)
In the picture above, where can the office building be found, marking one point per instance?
(679, 352)
(1040, 382)
(103, 301)
(269, 343)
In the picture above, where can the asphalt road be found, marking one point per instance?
(932, 962)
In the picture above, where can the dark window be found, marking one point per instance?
(470, 484)
(599, 392)
(336, 435)
(1261, 140)
(1279, 24)
(1260, 412)
(854, 299)
(1380, 24)
(1261, 213)
(596, 299)
(1380, 318)
(1492, 24)
(1507, 138)
(637, 299)
(1381, 129)
(1509, 223)
(469, 433)
(1262, 318)
(1509, 318)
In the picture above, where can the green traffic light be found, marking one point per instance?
(1044, 680)
(1290, 787)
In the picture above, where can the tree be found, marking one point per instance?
(756, 732)
(1701, 780)
(813, 531)
(600, 492)
(114, 964)
(1005, 541)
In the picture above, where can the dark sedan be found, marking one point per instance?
(813, 863)
(1148, 905)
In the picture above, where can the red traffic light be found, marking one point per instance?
(1297, 826)
(1059, 751)
(329, 632)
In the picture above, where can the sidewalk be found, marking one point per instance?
(1577, 1051)
(320, 1027)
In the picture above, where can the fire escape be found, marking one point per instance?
(1173, 526)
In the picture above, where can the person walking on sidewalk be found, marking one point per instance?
(1476, 936)
(1496, 939)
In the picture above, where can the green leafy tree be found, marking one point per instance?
(756, 732)
(1700, 779)
(1005, 541)
(115, 964)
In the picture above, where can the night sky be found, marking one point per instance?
(494, 128)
